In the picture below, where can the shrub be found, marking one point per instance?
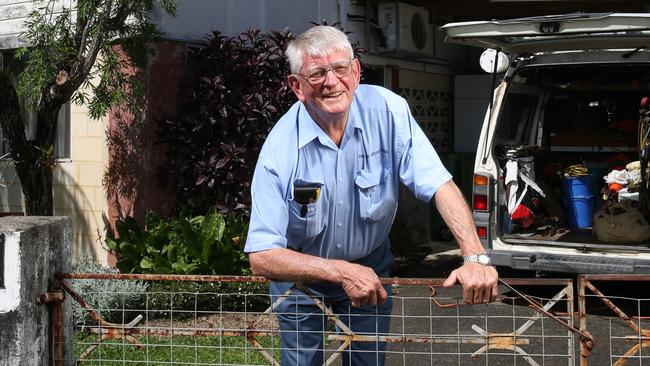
(209, 244)
(186, 297)
(239, 91)
(203, 244)
(107, 297)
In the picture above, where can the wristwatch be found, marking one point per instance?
(481, 259)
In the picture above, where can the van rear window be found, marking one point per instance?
(516, 117)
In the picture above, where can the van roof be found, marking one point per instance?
(576, 31)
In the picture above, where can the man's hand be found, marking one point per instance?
(479, 282)
(361, 284)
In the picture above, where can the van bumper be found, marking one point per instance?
(568, 263)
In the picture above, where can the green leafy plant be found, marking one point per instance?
(206, 244)
(186, 244)
(187, 297)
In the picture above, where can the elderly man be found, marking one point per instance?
(324, 198)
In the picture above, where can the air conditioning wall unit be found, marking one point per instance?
(406, 28)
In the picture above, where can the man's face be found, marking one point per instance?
(330, 98)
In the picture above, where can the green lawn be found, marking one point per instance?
(177, 350)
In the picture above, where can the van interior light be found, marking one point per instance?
(487, 61)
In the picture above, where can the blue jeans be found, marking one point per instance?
(302, 325)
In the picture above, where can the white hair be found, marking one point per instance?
(319, 41)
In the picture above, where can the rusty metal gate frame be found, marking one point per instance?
(512, 341)
(641, 336)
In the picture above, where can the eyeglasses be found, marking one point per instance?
(317, 75)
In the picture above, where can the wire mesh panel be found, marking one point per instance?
(617, 321)
(203, 320)
(509, 332)
(173, 322)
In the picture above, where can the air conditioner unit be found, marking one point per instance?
(406, 28)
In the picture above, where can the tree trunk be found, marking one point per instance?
(33, 163)
(36, 182)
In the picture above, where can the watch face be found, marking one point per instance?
(484, 260)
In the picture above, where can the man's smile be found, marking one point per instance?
(332, 95)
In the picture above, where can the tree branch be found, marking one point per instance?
(81, 33)
(121, 14)
(80, 69)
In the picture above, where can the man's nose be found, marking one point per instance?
(330, 77)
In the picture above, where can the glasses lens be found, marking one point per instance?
(342, 68)
(316, 76)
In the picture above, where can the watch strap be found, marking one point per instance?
(474, 258)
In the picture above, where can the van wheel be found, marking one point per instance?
(445, 234)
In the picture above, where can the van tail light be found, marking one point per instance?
(480, 201)
(482, 232)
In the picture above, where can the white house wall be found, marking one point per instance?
(197, 18)
(77, 185)
(13, 14)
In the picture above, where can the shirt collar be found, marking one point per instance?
(308, 129)
(354, 118)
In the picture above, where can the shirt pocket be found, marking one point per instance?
(371, 186)
(308, 221)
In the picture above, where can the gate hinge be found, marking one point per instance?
(52, 297)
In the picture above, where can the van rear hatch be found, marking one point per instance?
(554, 33)
(571, 96)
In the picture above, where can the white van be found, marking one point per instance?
(568, 93)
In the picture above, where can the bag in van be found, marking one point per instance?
(525, 198)
(621, 223)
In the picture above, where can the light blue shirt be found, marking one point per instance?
(359, 180)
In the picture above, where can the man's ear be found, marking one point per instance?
(357, 68)
(294, 83)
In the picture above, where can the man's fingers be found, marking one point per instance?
(372, 298)
(494, 294)
(382, 295)
(468, 295)
(478, 295)
(369, 298)
(487, 295)
(451, 280)
(479, 283)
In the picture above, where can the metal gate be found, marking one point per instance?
(619, 324)
(429, 325)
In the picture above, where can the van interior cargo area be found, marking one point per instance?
(558, 117)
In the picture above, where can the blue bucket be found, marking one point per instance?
(577, 186)
(579, 210)
(578, 200)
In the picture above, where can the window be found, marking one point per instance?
(62, 143)
(517, 118)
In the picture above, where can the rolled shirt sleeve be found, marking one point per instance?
(268, 210)
(420, 168)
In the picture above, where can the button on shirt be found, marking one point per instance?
(358, 181)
